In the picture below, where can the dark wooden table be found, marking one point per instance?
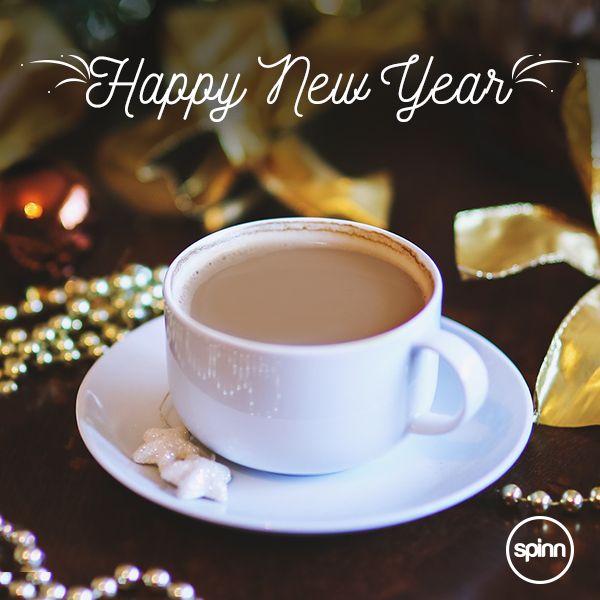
(447, 159)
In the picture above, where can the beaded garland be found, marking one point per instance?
(34, 581)
(84, 318)
(540, 501)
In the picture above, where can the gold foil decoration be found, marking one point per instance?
(32, 109)
(255, 138)
(300, 179)
(499, 241)
(503, 240)
(568, 384)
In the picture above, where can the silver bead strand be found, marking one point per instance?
(104, 587)
(38, 583)
(156, 578)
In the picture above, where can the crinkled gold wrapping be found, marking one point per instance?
(568, 384)
(27, 33)
(499, 241)
(581, 115)
(294, 173)
(256, 137)
(503, 240)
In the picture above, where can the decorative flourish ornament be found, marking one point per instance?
(38, 583)
(500, 241)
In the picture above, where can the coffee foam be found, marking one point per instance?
(235, 245)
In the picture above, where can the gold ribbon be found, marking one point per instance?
(503, 240)
(29, 115)
(256, 139)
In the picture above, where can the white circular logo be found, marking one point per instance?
(539, 550)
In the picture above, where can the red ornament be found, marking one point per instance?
(44, 213)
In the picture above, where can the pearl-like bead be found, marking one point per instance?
(44, 358)
(22, 589)
(64, 344)
(79, 593)
(33, 293)
(60, 322)
(43, 334)
(511, 494)
(6, 529)
(28, 555)
(140, 275)
(156, 578)
(56, 296)
(159, 274)
(127, 575)
(70, 355)
(31, 307)
(595, 497)
(16, 335)
(181, 591)
(22, 537)
(53, 591)
(79, 306)
(7, 348)
(99, 315)
(540, 501)
(76, 286)
(90, 339)
(8, 312)
(104, 587)
(14, 367)
(28, 348)
(113, 333)
(38, 576)
(5, 578)
(134, 313)
(7, 386)
(121, 282)
(157, 291)
(97, 351)
(142, 299)
(100, 287)
(571, 501)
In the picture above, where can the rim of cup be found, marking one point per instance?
(338, 225)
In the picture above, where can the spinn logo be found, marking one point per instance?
(540, 550)
(532, 550)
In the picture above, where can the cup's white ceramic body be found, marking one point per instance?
(312, 409)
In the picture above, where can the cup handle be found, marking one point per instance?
(472, 375)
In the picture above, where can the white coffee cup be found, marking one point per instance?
(313, 409)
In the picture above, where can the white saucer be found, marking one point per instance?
(121, 395)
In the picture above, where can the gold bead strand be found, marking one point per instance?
(89, 316)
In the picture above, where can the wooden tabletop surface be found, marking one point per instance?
(445, 160)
